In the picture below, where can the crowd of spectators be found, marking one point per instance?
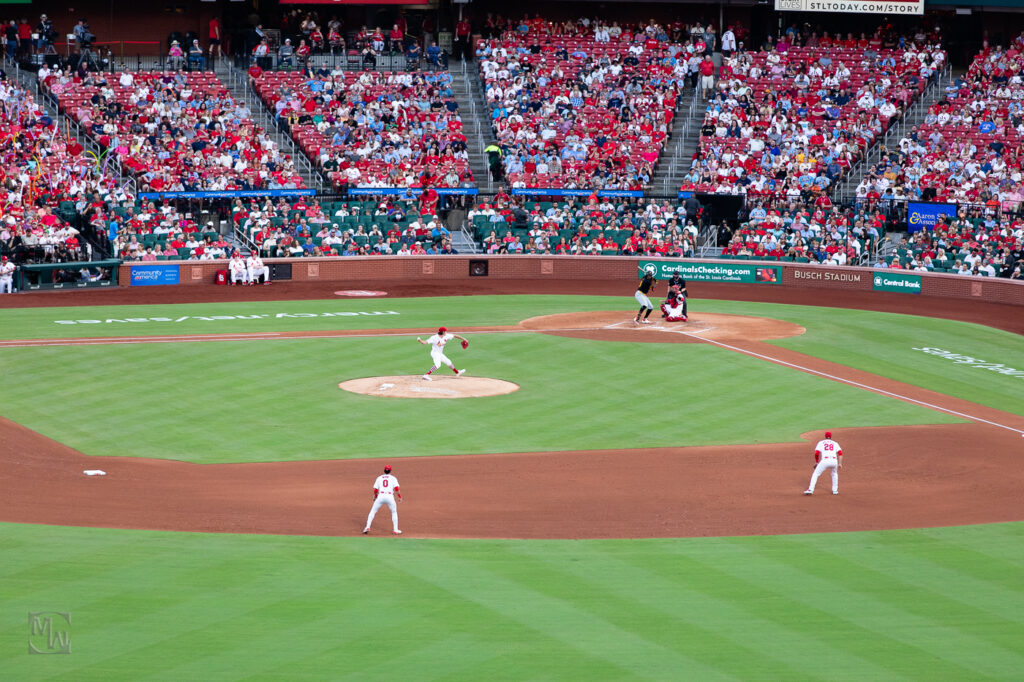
(43, 171)
(970, 145)
(593, 226)
(347, 228)
(787, 121)
(583, 104)
(794, 231)
(173, 131)
(976, 242)
(373, 129)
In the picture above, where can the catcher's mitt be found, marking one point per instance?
(465, 344)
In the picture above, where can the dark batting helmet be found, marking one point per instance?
(387, 468)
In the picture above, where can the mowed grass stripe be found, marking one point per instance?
(209, 403)
(671, 607)
(563, 617)
(942, 645)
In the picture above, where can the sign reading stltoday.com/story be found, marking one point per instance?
(752, 273)
(899, 7)
(894, 281)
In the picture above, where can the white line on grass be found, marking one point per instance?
(833, 377)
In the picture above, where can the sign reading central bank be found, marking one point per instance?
(892, 281)
(714, 272)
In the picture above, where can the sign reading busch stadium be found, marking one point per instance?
(745, 273)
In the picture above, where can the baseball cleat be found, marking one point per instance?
(397, 532)
(459, 372)
(366, 531)
(835, 492)
(426, 377)
(808, 492)
(645, 321)
(684, 319)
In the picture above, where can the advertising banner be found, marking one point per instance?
(551, 192)
(922, 216)
(409, 192)
(745, 273)
(230, 194)
(899, 7)
(896, 281)
(153, 275)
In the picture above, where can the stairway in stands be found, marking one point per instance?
(678, 153)
(914, 116)
(236, 81)
(475, 120)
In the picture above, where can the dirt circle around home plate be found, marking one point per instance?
(442, 386)
(700, 326)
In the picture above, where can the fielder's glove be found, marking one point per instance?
(465, 344)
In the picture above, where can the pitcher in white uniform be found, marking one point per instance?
(828, 455)
(385, 491)
(437, 343)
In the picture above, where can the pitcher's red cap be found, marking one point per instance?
(828, 434)
(442, 330)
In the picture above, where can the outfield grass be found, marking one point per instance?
(279, 400)
(935, 604)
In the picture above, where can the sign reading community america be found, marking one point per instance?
(221, 318)
(900, 7)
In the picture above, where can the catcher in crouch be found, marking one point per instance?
(674, 307)
(437, 343)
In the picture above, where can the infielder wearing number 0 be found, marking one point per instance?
(385, 491)
(828, 455)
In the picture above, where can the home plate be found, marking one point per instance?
(441, 386)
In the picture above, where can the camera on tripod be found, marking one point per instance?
(86, 38)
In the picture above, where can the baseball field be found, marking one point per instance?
(631, 510)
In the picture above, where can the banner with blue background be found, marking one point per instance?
(923, 216)
(153, 275)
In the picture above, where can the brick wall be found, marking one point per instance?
(356, 269)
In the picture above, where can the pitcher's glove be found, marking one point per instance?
(465, 344)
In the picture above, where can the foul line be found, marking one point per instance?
(851, 382)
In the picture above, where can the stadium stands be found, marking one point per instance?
(591, 227)
(43, 173)
(373, 129)
(969, 147)
(796, 233)
(787, 123)
(174, 131)
(580, 109)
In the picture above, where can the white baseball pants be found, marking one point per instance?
(389, 500)
(820, 469)
(440, 358)
(254, 273)
(240, 276)
(642, 299)
(6, 285)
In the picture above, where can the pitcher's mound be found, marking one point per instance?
(443, 386)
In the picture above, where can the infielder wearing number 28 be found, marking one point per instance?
(828, 455)
(385, 491)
